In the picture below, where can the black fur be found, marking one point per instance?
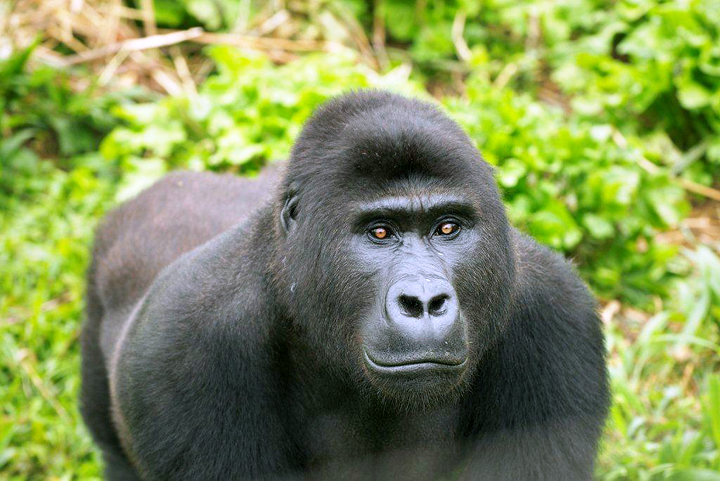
(227, 320)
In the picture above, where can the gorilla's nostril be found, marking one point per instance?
(411, 306)
(438, 305)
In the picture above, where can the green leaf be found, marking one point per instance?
(142, 173)
(598, 227)
(511, 172)
(712, 408)
(693, 95)
(9, 147)
(15, 63)
(694, 474)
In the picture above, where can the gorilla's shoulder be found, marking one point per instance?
(555, 326)
(206, 303)
(554, 309)
(545, 278)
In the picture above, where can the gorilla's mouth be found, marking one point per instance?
(427, 363)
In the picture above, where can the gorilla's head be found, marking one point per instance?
(393, 255)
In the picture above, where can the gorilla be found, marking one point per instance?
(363, 312)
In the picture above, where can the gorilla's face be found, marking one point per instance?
(397, 259)
(416, 335)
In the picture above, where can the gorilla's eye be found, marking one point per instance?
(447, 228)
(380, 232)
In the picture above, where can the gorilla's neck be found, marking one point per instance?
(344, 427)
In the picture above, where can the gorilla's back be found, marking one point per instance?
(133, 244)
(144, 235)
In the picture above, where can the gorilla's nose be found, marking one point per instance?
(422, 327)
(424, 299)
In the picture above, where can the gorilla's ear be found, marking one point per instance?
(289, 210)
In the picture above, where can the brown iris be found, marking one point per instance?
(447, 228)
(379, 233)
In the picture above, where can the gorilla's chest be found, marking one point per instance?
(376, 445)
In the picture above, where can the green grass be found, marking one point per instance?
(43, 253)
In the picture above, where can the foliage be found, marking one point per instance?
(43, 253)
(41, 115)
(247, 114)
(47, 212)
(652, 68)
(634, 91)
(648, 67)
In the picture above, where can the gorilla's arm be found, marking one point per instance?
(193, 376)
(541, 395)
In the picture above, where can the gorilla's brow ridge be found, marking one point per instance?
(432, 205)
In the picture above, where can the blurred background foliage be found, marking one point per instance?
(602, 118)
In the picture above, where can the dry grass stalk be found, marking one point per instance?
(267, 43)
(378, 35)
(148, 15)
(136, 44)
(104, 35)
(648, 166)
(461, 47)
(272, 23)
(183, 71)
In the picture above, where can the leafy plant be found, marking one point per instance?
(42, 116)
(247, 114)
(649, 67)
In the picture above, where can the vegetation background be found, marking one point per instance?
(601, 116)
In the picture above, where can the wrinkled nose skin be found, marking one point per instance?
(421, 327)
(426, 303)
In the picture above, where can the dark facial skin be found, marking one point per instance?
(416, 335)
(365, 313)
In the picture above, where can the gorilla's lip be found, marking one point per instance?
(431, 363)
